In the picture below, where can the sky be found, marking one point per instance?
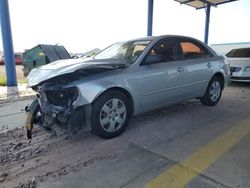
(81, 25)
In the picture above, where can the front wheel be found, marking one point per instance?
(213, 92)
(110, 115)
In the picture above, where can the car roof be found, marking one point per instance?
(163, 36)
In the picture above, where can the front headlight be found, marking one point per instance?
(247, 69)
(61, 97)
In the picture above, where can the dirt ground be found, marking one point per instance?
(24, 164)
(19, 72)
(51, 156)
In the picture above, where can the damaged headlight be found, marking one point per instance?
(62, 97)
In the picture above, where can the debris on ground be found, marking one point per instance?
(24, 164)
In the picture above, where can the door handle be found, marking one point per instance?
(181, 69)
(209, 65)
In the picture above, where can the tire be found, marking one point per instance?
(110, 114)
(213, 92)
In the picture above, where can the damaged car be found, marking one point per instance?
(125, 79)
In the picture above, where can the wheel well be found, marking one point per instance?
(124, 91)
(220, 75)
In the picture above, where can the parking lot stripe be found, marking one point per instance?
(182, 173)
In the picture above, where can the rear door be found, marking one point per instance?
(199, 63)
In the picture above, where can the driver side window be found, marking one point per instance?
(163, 51)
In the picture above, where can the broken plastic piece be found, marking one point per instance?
(30, 111)
(29, 134)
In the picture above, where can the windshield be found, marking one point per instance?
(239, 53)
(129, 51)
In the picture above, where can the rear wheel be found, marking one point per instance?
(110, 115)
(213, 92)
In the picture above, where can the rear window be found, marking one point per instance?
(236, 53)
(192, 50)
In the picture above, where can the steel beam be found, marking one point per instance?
(150, 17)
(9, 58)
(208, 8)
(188, 1)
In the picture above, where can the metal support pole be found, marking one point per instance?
(207, 23)
(9, 58)
(150, 17)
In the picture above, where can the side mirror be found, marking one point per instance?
(151, 59)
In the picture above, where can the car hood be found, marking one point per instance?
(241, 62)
(62, 67)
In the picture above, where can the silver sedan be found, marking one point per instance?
(125, 79)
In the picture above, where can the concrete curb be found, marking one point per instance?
(15, 92)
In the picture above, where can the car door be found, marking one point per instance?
(199, 64)
(162, 76)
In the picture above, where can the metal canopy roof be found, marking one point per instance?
(198, 4)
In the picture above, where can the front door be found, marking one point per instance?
(162, 76)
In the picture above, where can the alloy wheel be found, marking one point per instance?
(113, 115)
(215, 91)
